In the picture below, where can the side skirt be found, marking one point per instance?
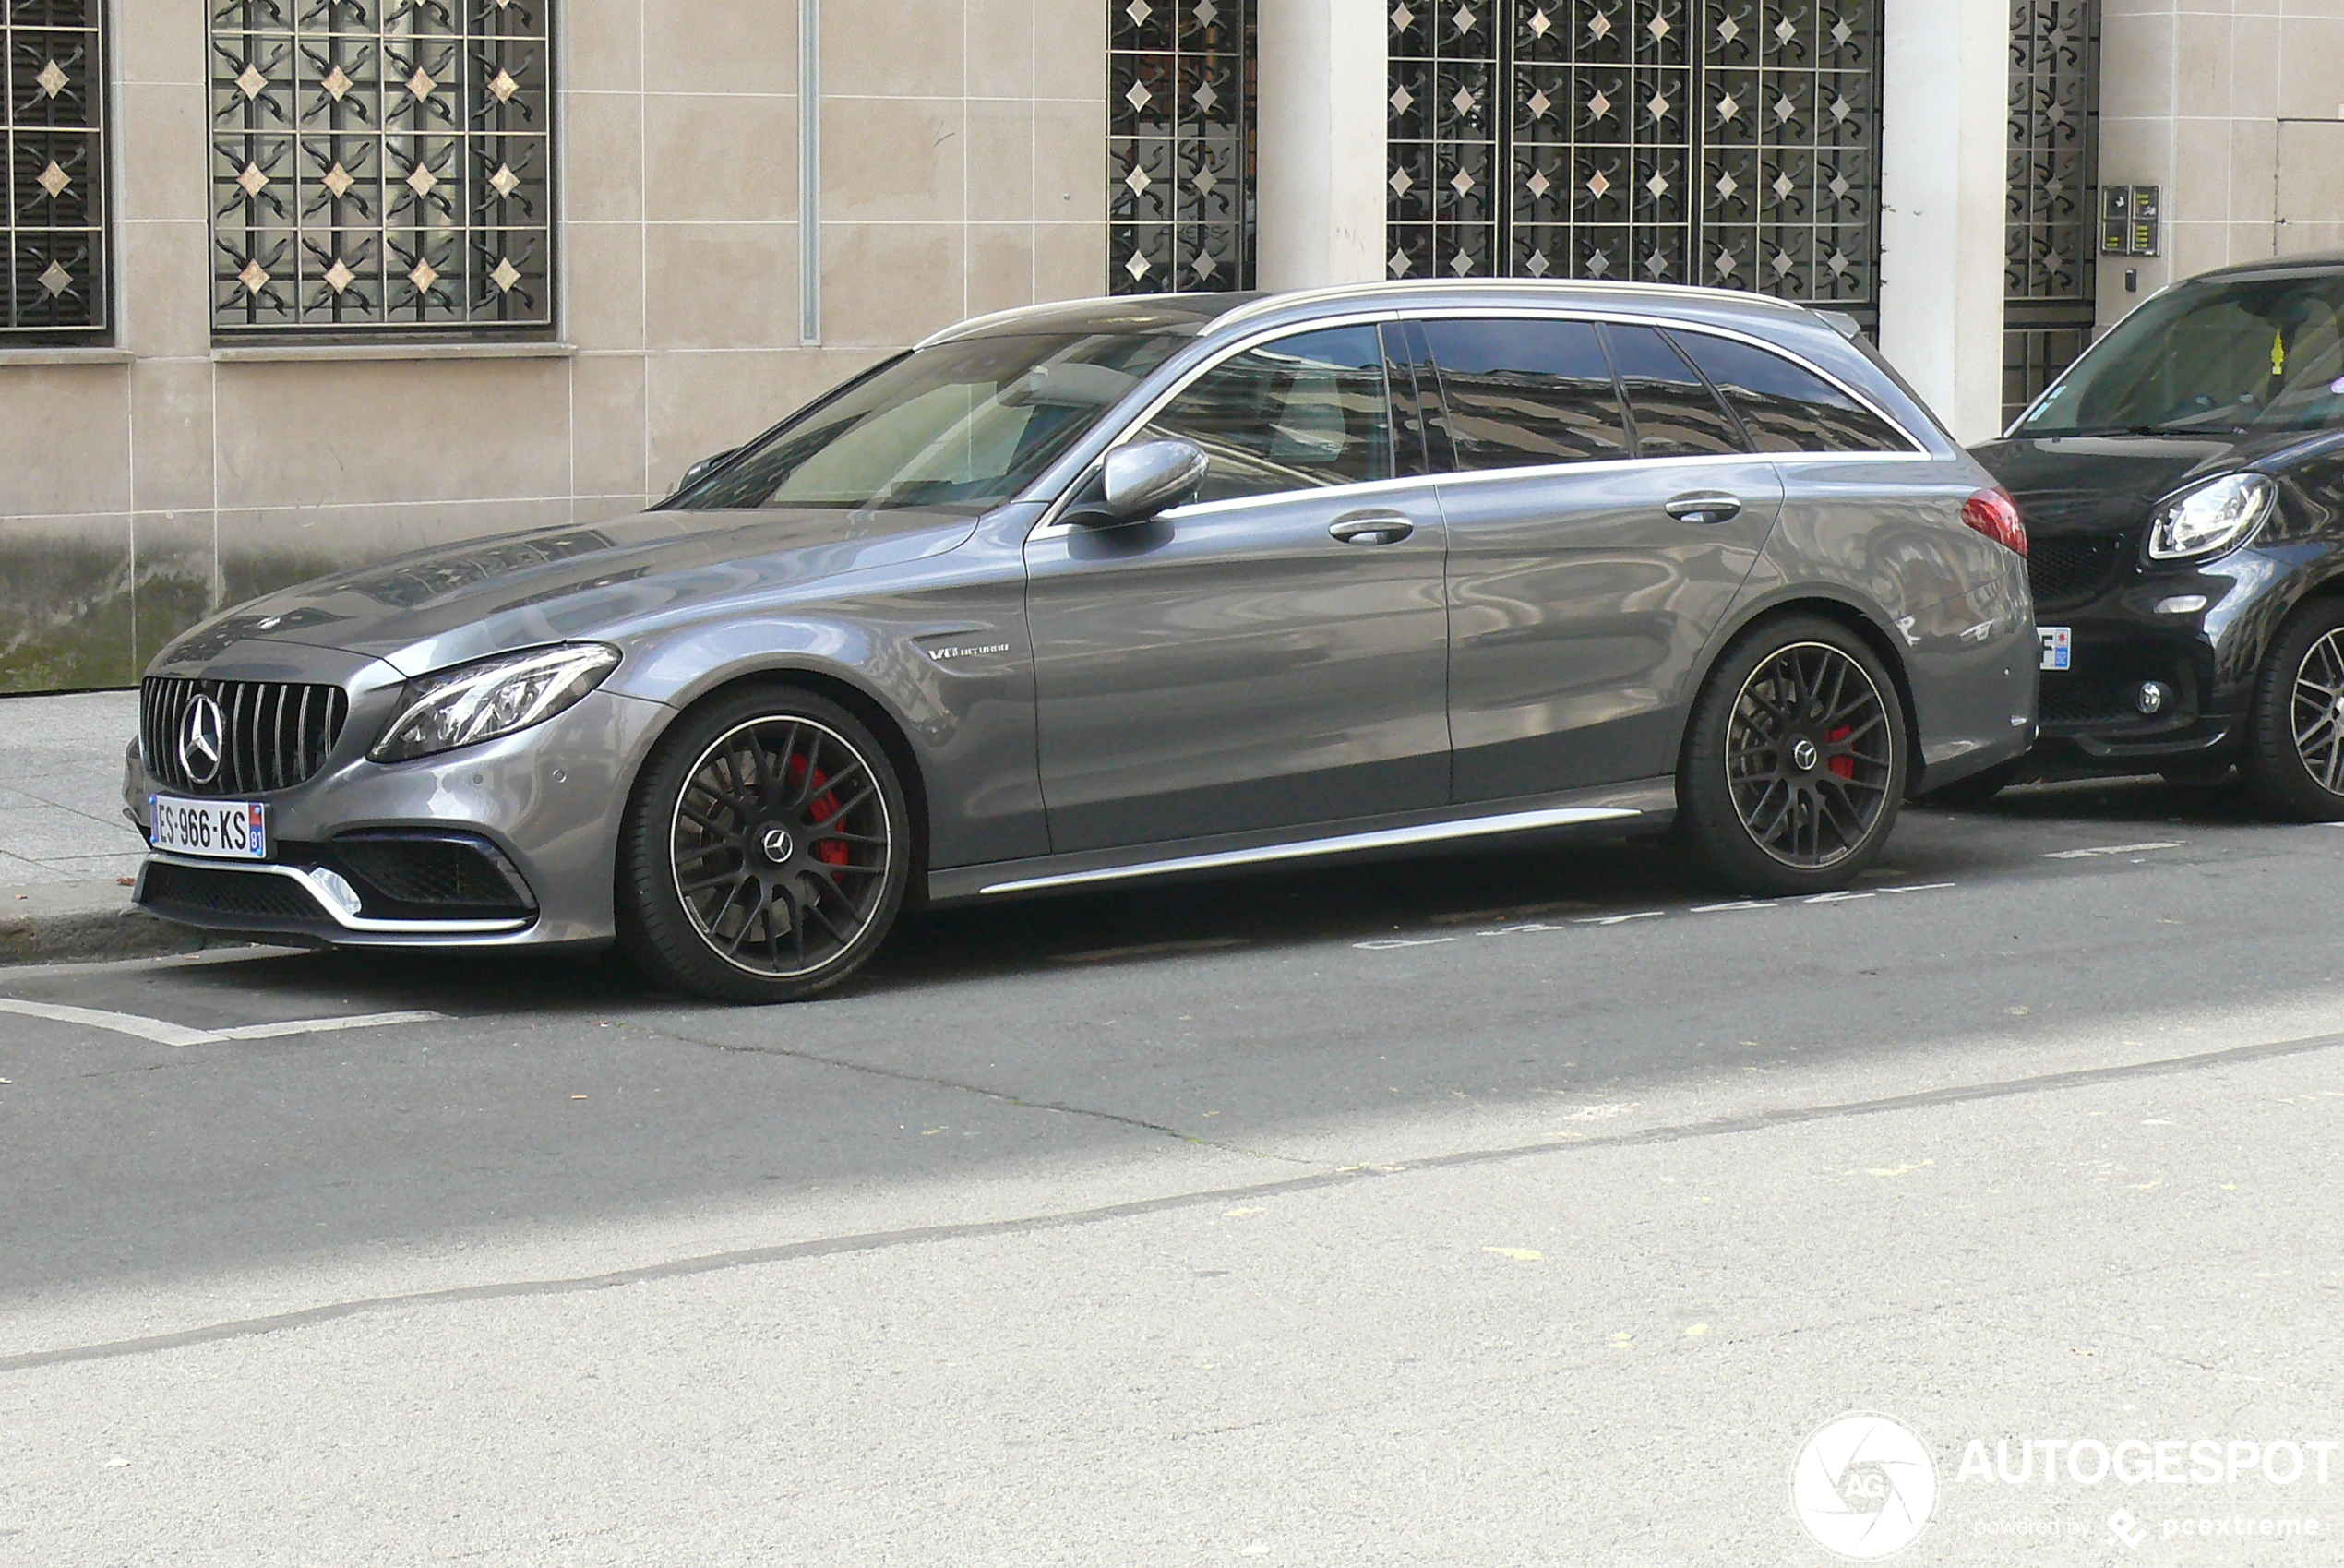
(1613, 808)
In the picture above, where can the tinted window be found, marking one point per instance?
(1788, 408)
(1524, 393)
(1293, 414)
(964, 424)
(1676, 414)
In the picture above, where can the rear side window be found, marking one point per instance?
(1675, 413)
(1526, 393)
(1785, 407)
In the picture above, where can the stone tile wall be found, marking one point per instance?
(963, 171)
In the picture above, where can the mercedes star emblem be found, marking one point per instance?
(200, 744)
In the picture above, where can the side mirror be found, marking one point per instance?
(1144, 478)
(705, 467)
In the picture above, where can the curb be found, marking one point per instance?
(88, 922)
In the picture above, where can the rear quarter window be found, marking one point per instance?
(1785, 407)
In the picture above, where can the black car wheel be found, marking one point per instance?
(2295, 739)
(764, 854)
(1794, 760)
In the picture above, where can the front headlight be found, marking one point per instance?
(2220, 514)
(474, 702)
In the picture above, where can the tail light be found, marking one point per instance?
(1995, 515)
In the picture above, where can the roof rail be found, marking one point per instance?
(1264, 304)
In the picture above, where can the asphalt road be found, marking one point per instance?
(1526, 1207)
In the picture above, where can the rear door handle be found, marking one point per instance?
(1704, 505)
(1372, 528)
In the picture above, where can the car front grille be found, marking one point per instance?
(2064, 571)
(199, 891)
(273, 735)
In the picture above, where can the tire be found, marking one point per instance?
(765, 851)
(2294, 761)
(1794, 760)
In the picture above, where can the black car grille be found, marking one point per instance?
(274, 734)
(2072, 570)
(425, 877)
(2084, 700)
(198, 890)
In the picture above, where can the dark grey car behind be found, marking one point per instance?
(1465, 559)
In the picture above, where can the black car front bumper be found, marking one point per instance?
(2136, 624)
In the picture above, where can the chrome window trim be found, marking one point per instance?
(347, 922)
(1050, 527)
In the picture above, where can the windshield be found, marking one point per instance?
(2220, 358)
(965, 424)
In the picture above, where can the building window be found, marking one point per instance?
(381, 165)
(1179, 151)
(2049, 286)
(1671, 141)
(56, 224)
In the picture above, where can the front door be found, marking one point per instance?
(1603, 514)
(1272, 655)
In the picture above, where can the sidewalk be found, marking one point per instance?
(65, 845)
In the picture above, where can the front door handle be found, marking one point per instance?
(1372, 528)
(1704, 505)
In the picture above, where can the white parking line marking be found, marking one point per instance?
(1621, 919)
(1738, 904)
(1843, 897)
(164, 1032)
(2109, 849)
(1918, 887)
(1383, 944)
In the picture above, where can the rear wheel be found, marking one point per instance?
(1794, 760)
(764, 855)
(2295, 737)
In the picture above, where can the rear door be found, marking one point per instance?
(1603, 512)
(1272, 656)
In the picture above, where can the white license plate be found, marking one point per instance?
(2059, 646)
(218, 830)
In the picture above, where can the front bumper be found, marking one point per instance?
(535, 814)
(2138, 631)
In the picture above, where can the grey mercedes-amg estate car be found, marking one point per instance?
(1126, 588)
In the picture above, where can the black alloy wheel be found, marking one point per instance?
(2295, 735)
(765, 854)
(1794, 760)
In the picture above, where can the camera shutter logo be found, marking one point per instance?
(202, 740)
(1864, 1485)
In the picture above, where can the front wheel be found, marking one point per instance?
(765, 852)
(1794, 760)
(2295, 737)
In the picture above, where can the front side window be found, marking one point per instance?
(1297, 414)
(1785, 407)
(56, 219)
(1676, 414)
(2219, 356)
(1523, 393)
(965, 424)
(380, 165)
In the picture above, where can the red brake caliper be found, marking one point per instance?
(1844, 766)
(830, 850)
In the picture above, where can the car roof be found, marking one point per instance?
(1189, 315)
(2310, 264)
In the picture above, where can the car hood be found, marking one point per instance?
(2068, 484)
(458, 602)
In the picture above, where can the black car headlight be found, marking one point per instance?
(480, 701)
(2218, 515)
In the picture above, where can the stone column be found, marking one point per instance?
(1944, 129)
(1319, 143)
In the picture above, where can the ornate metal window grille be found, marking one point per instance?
(381, 165)
(1179, 152)
(1732, 143)
(2049, 268)
(56, 189)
